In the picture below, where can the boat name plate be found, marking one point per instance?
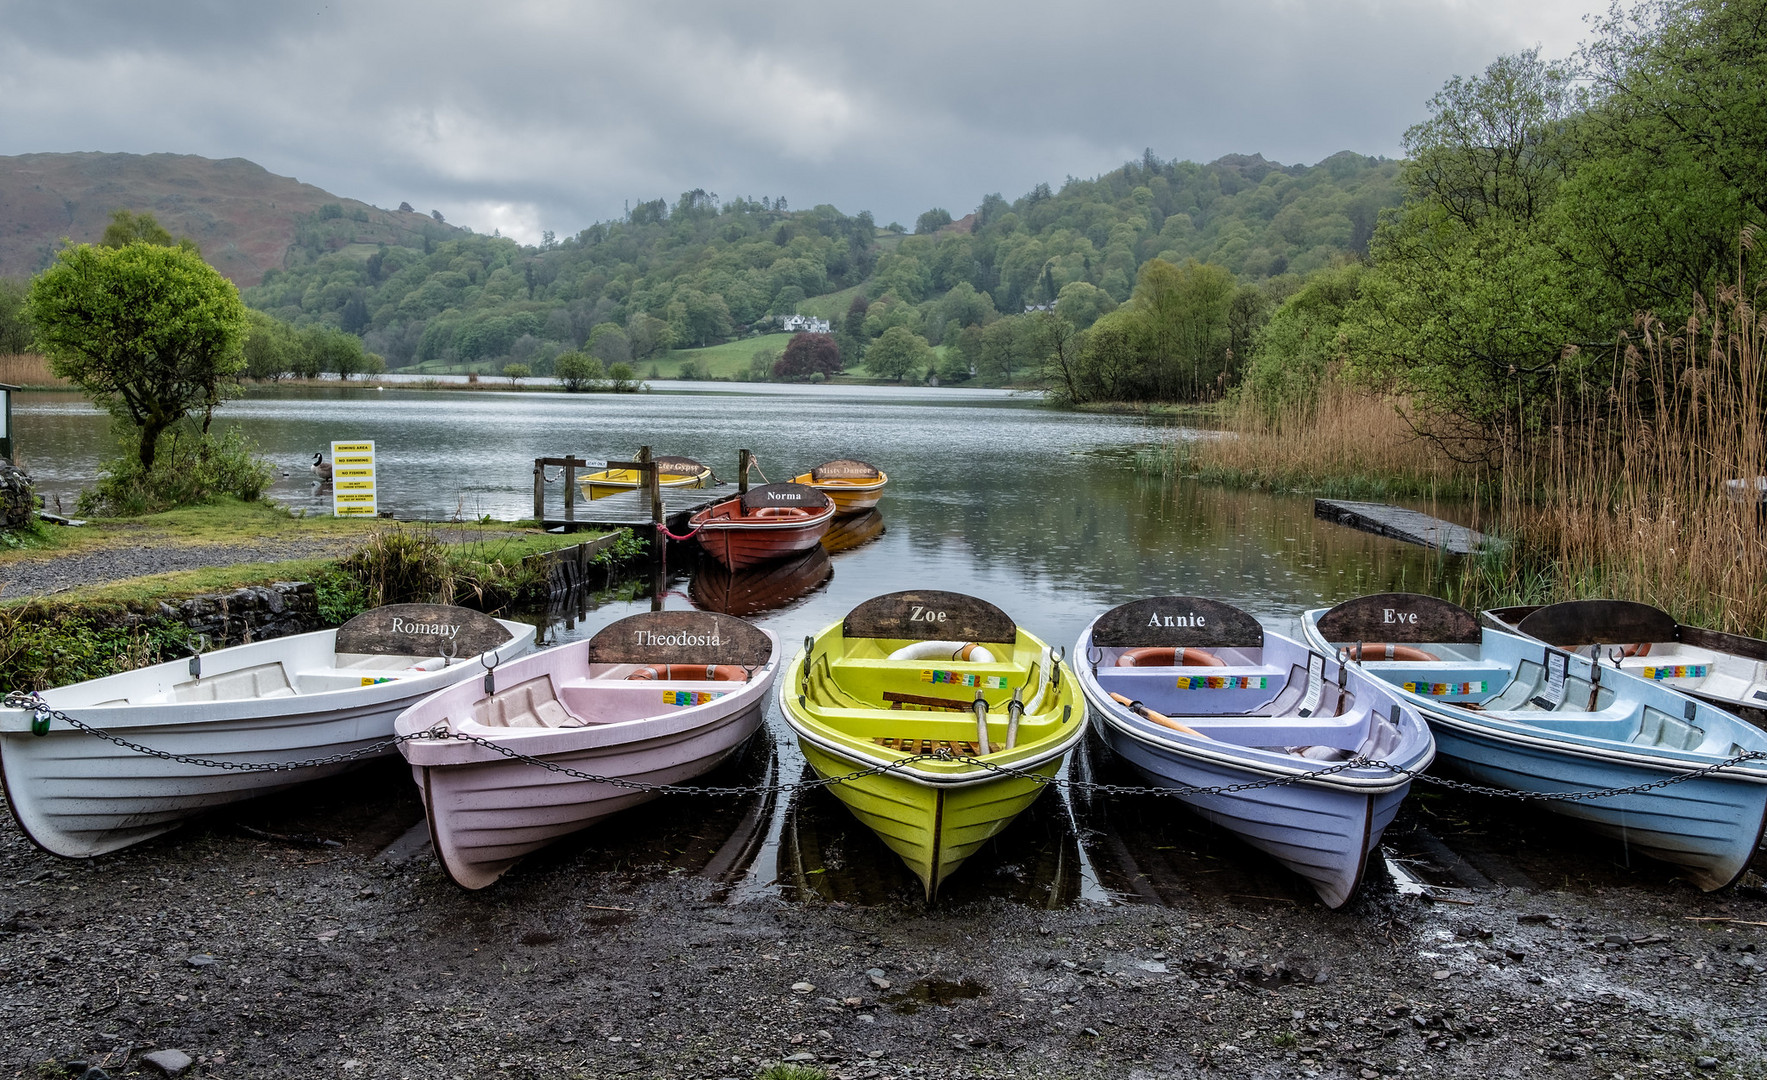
(785, 493)
(678, 466)
(1598, 622)
(1400, 617)
(421, 630)
(1179, 622)
(929, 615)
(681, 637)
(845, 469)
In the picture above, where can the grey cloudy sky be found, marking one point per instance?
(526, 115)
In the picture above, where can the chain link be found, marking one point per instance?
(42, 713)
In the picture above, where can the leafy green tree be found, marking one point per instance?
(577, 372)
(150, 333)
(1295, 351)
(1081, 303)
(932, 221)
(1007, 349)
(1059, 349)
(608, 343)
(622, 379)
(899, 354)
(648, 338)
(270, 346)
(516, 372)
(15, 322)
(127, 228)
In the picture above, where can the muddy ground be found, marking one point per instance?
(313, 935)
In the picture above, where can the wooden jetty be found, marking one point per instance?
(649, 505)
(1402, 524)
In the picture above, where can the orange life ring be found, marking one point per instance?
(691, 672)
(1160, 656)
(1366, 650)
(778, 512)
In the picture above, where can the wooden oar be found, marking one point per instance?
(1164, 721)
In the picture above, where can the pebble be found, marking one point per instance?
(803, 1055)
(169, 1062)
(200, 960)
(1440, 975)
(1706, 1063)
(803, 987)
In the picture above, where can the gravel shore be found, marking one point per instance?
(41, 577)
(313, 935)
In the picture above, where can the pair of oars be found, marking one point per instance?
(1161, 719)
(1014, 709)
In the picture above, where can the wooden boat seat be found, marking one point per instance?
(526, 704)
(925, 701)
(263, 681)
(954, 747)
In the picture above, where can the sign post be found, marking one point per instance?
(352, 479)
(6, 423)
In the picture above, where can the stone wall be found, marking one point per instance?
(244, 615)
(17, 503)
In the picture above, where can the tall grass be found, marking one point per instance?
(1644, 489)
(1347, 443)
(30, 371)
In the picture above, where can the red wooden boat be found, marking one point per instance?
(768, 522)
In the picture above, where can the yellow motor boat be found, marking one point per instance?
(672, 472)
(967, 709)
(854, 486)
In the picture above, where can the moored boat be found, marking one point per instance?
(964, 709)
(853, 531)
(655, 698)
(305, 698)
(1194, 693)
(672, 472)
(854, 486)
(1516, 713)
(766, 522)
(1728, 670)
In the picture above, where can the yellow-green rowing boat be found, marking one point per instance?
(947, 685)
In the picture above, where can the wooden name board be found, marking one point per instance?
(1598, 622)
(845, 469)
(929, 615)
(1179, 622)
(421, 630)
(784, 494)
(681, 637)
(1400, 617)
(678, 466)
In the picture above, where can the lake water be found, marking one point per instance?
(1045, 513)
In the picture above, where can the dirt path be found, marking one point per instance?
(40, 577)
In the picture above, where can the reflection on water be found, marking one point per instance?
(1042, 512)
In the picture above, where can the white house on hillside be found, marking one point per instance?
(793, 324)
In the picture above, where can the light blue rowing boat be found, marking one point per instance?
(1521, 714)
(1195, 694)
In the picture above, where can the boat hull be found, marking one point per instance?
(485, 815)
(849, 496)
(1326, 836)
(933, 827)
(615, 481)
(1710, 827)
(738, 546)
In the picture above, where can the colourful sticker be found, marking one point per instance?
(1680, 671)
(1223, 682)
(366, 681)
(689, 697)
(1444, 689)
(963, 678)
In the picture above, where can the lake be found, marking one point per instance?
(1052, 515)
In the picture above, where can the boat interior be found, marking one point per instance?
(234, 676)
(610, 694)
(1266, 698)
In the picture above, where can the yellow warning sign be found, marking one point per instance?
(353, 480)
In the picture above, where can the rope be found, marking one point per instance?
(691, 533)
(755, 464)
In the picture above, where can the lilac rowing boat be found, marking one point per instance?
(1195, 694)
(656, 698)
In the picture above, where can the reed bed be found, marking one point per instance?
(31, 371)
(1645, 489)
(1348, 443)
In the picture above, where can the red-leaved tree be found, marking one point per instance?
(806, 354)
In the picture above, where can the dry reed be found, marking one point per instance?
(1645, 490)
(1348, 442)
(30, 371)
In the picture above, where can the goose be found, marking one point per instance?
(320, 468)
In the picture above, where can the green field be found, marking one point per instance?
(718, 361)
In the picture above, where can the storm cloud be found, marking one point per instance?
(545, 114)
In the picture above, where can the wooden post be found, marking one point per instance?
(540, 492)
(653, 485)
(571, 461)
(743, 459)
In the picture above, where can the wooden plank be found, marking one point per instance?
(948, 704)
(1401, 524)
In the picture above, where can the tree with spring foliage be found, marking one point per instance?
(151, 333)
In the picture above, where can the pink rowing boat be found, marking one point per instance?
(656, 698)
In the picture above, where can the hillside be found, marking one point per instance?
(246, 219)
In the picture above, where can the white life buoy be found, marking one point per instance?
(944, 650)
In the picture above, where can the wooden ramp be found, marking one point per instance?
(1402, 524)
(632, 508)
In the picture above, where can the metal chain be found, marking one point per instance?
(42, 712)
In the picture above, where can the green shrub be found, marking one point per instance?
(190, 467)
(43, 647)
